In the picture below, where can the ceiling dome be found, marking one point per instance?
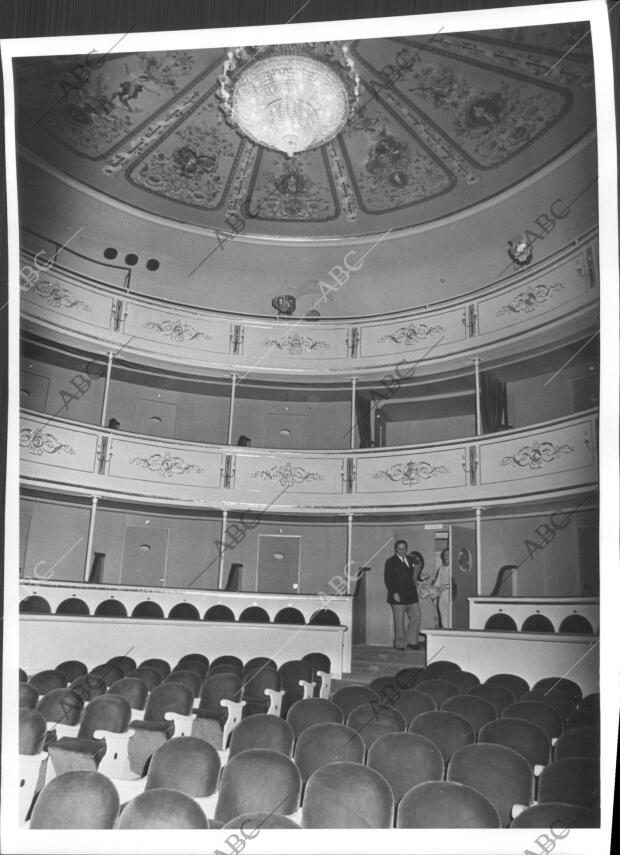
(442, 125)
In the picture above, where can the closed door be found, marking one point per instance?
(144, 556)
(285, 430)
(278, 564)
(155, 418)
(33, 391)
(463, 562)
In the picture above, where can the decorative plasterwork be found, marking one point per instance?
(530, 299)
(287, 475)
(412, 334)
(534, 456)
(38, 443)
(295, 344)
(411, 472)
(178, 331)
(55, 296)
(166, 465)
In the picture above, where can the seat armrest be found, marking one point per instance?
(518, 809)
(308, 688)
(137, 715)
(235, 711)
(275, 698)
(64, 729)
(182, 723)
(326, 684)
(538, 768)
(115, 761)
(29, 772)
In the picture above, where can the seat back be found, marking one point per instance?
(262, 731)
(440, 666)
(124, 663)
(88, 686)
(109, 673)
(517, 685)
(169, 697)
(255, 682)
(318, 661)
(255, 822)
(32, 731)
(191, 663)
(556, 815)
(227, 659)
(560, 684)
(578, 742)
(292, 672)
(133, 690)
(477, 711)
(349, 697)
(71, 669)
(541, 714)
(61, 706)
(28, 696)
(160, 665)
(575, 780)
(258, 780)
(499, 773)
(107, 712)
(560, 701)
(162, 808)
(220, 687)
(405, 760)
(521, 735)
(364, 798)
(439, 690)
(76, 800)
(23, 677)
(46, 681)
(305, 713)
(410, 703)
(257, 663)
(191, 679)
(499, 696)
(225, 668)
(324, 743)
(148, 675)
(445, 804)
(187, 764)
(447, 730)
(463, 679)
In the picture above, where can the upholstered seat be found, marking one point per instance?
(557, 816)
(262, 731)
(149, 675)
(191, 663)
(445, 804)
(168, 713)
(441, 666)
(134, 691)
(347, 795)
(71, 669)
(517, 685)
(499, 773)
(109, 673)
(463, 679)
(559, 700)
(162, 808)
(32, 733)
(349, 697)
(499, 696)
(439, 690)
(61, 708)
(324, 743)
(309, 711)
(258, 780)
(189, 765)
(123, 663)
(410, 703)
(322, 676)
(560, 684)
(372, 721)
(523, 736)
(28, 696)
(76, 800)
(46, 681)
(575, 780)
(297, 682)
(447, 730)
(477, 711)
(404, 760)
(262, 691)
(88, 686)
(160, 665)
(220, 709)
(23, 677)
(541, 714)
(253, 823)
(578, 742)
(188, 678)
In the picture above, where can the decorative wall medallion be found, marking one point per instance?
(166, 465)
(38, 443)
(178, 331)
(410, 473)
(412, 334)
(296, 344)
(530, 299)
(56, 296)
(535, 455)
(287, 475)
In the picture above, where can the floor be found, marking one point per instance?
(370, 661)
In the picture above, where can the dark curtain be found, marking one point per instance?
(493, 402)
(362, 416)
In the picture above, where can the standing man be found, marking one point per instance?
(443, 586)
(402, 595)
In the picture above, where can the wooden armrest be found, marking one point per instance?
(308, 688)
(275, 698)
(326, 684)
(182, 723)
(115, 761)
(235, 711)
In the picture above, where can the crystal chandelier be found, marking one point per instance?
(290, 98)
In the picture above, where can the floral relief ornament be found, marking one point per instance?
(166, 465)
(530, 299)
(411, 473)
(412, 334)
(178, 330)
(38, 443)
(535, 455)
(296, 344)
(287, 475)
(56, 296)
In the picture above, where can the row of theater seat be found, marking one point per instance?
(411, 730)
(572, 624)
(181, 611)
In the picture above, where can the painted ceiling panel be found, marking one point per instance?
(443, 123)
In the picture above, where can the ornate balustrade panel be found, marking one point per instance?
(560, 287)
(556, 609)
(287, 344)
(412, 471)
(551, 295)
(413, 337)
(177, 332)
(175, 472)
(545, 452)
(51, 443)
(293, 473)
(152, 461)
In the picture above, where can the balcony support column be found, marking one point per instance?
(231, 411)
(353, 420)
(478, 408)
(91, 535)
(106, 389)
(478, 552)
(220, 573)
(349, 551)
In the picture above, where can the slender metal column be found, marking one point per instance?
(220, 574)
(349, 550)
(353, 419)
(91, 535)
(231, 411)
(106, 389)
(478, 410)
(478, 552)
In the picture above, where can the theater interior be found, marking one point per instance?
(208, 495)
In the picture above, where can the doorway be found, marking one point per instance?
(144, 556)
(278, 564)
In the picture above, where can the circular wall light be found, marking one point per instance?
(278, 556)
(152, 264)
(285, 432)
(25, 393)
(155, 419)
(145, 547)
(131, 259)
(110, 253)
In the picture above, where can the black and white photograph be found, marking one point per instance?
(311, 432)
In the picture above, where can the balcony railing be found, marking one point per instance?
(563, 287)
(541, 460)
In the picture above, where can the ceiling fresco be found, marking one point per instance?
(443, 123)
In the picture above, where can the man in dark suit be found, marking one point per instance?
(402, 595)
